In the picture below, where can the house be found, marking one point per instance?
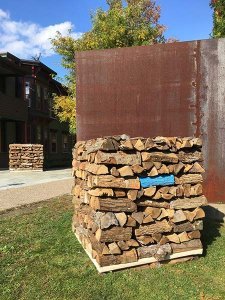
(26, 114)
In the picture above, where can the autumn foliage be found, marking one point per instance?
(218, 18)
(65, 108)
(133, 23)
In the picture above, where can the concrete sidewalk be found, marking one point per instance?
(15, 179)
(24, 188)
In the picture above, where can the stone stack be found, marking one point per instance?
(138, 200)
(26, 157)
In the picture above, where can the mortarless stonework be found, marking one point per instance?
(26, 157)
(116, 219)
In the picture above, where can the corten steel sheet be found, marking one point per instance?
(142, 91)
(212, 114)
(174, 89)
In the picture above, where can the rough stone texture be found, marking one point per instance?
(111, 206)
(26, 157)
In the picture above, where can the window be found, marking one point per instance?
(2, 84)
(27, 88)
(3, 144)
(38, 134)
(45, 96)
(38, 96)
(38, 91)
(18, 87)
(46, 141)
(45, 91)
(28, 134)
(53, 141)
(27, 93)
(51, 109)
(65, 143)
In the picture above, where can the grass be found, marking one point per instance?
(41, 259)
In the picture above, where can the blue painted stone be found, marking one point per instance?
(165, 179)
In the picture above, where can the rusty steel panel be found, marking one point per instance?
(172, 90)
(142, 91)
(212, 112)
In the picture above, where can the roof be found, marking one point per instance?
(6, 56)
(10, 65)
(39, 64)
(59, 86)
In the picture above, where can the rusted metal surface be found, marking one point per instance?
(212, 105)
(142, 91)
(172, 90)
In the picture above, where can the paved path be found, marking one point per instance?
(15, 179)
(23, 188)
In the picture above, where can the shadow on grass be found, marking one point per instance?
(212, 224)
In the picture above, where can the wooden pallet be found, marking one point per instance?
(140, 262)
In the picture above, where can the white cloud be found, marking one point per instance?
(25, 39)
(3, 14)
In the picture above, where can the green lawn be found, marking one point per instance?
(41, 259)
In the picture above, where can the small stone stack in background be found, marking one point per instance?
(118, 219)
(26, 157)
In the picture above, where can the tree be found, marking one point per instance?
(36, 57)
(134, 23)
(65, 108)
(218, 18)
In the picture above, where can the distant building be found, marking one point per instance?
(26, 114)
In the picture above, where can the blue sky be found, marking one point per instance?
(26, 25)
